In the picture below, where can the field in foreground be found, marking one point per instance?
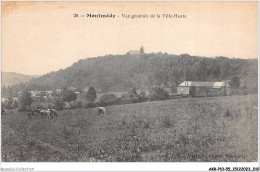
(213, 129)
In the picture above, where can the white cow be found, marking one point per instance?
(46, 113)
(101, 111)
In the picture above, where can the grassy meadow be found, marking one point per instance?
(212, 129)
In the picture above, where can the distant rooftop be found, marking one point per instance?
(141, 51)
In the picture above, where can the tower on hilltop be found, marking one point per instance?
(142, 50)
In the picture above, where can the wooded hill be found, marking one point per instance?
(122, 72)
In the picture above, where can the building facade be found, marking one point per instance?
(198, 89)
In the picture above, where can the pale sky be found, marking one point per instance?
(40, 37)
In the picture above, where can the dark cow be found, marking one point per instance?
(101, 111)
(53, 112)
(49, 113)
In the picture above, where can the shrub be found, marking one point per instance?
(14, 104)
(90, 105)
(108, 99)
(73, 104)
(142, 96)
(49, 106)
(134, 98)
(158, 94)
(76, 104)
(58, 104)
(79, 104)
(8, 103)
(36, 106)
(125, 99)
(69, 96)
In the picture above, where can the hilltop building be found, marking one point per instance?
(136, 52)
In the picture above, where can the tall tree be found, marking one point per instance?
(14, 104)
(8, 103)
(91, 95)
(58, 104)
(68, 96)
(174, 77)
(15, 90)
(25, 100)
(8, 91)
(187, 74)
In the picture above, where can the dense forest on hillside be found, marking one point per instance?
(122, 72)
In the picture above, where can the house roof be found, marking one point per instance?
(204, 84)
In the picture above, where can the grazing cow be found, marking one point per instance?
(101, 111)
(46, 113)
(53, 112)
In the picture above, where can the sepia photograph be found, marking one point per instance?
(129, 81)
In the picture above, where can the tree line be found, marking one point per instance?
(26, 103)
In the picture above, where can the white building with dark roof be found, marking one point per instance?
(195, 88)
